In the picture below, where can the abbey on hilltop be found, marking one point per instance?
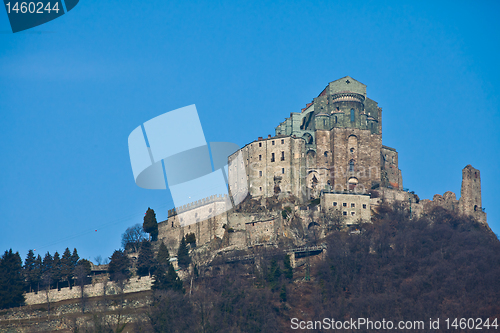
(330, 153)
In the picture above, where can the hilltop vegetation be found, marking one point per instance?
(438, 266)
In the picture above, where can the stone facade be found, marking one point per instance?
(342, 131)
(331, 151)
(273, 165)
(470, 200)
(352, 207)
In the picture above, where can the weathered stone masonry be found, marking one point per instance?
(331, 150)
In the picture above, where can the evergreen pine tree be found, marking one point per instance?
(29, 269)
(183, 254)
(150, 225)
(82, 270)
(37, 273)
(74, 261)
(66, 266)
(283, 293)
(47, 270)
(145, 262)
(119, 266)
(166, 278)
(288, 270)
(74, 258)
(11, 280)
(163, 257)
(56, 269)
(274, 275)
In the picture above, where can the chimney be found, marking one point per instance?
(260, 138)
(269, 136)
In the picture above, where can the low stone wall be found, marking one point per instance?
(90, 290)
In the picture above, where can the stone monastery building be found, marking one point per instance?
(332, 151)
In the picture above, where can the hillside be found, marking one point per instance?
(441, 265)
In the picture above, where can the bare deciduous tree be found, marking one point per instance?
(132, 238)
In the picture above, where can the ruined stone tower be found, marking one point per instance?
(470, 199)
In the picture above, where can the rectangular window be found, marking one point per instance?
(282, 170)
(282, 155)
(260, 173)
(344, 213)
(272, 157)
(364, 206)
(353, 205)
(353, 213)
(344, 204)
(260, 157)
(260, 144)
(282, 141)
(334, 204)
(273, 143)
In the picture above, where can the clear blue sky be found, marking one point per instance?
(72, 90)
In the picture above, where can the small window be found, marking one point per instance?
(326, 154)
(273, 142)
(352, 116)
(336, 119)
(351, 150)
(282, 155)
(353, 205)
(260, 173)
(334, 204)
(260, 188)
(260, 144)
(345, 213)
(272, 157)
(364, 206)
(351, 165)
(282, 141)
(282, 170)
(353, 213)
(344, 204)
(260, 157)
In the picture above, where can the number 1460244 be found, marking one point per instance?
(31, 7)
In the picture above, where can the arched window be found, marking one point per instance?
(351, 165)
(352, 115)
(326, 154)
(335, 119)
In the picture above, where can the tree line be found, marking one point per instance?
(53, 271)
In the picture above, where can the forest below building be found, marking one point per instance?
(441, 265)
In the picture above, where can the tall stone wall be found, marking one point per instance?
(171, 231)
(363, 149)
(273, 165)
